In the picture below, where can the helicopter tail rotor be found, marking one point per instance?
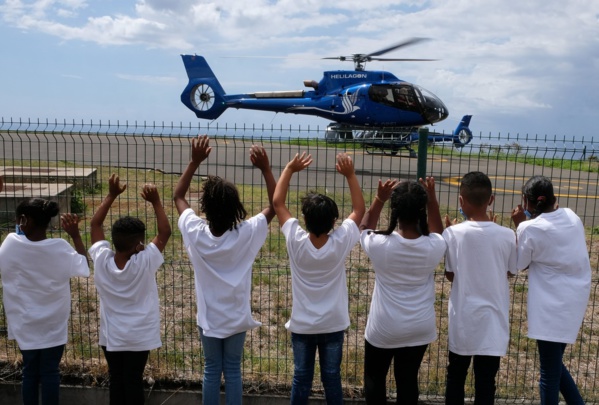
(203, 95)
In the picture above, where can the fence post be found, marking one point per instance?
(422, 151)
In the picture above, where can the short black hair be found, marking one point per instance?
(538, 191)
(476, 187)
(41, 211)
(127, 232)
(320, 213)
(221, 203)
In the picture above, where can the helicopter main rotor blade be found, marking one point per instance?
(407, 42)
(403, 59)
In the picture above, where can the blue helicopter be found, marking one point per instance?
(355, 98)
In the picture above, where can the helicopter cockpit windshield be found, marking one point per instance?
(406, 96)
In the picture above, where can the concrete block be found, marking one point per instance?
(86, 177)
(13, 193)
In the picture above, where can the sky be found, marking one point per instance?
(519, 67)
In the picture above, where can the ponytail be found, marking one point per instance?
(538, 191)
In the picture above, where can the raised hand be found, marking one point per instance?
(518, 215)
(384, 190)
(200, 148)
(149, 192)
(429, 186)
(114, 186)
(70, 224)
(299, 162)
(345, 165)
(259, 158)
(449, 222)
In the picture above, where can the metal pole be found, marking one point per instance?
(422, 150)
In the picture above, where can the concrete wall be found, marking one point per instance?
(69, 395)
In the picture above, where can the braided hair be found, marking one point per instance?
(408, 206)
(41, 211)
(538, 191)
(221, 203)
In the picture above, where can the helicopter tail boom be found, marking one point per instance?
(203, 95)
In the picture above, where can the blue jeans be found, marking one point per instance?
(126, 370)
(485, 370)
(40, 366)
(406, 364)
(555, 377)
(222, 356)
(330, 351)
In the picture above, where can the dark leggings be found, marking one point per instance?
(126, 371)
(406, 363)
(485, 370)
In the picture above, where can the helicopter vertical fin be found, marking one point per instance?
(203, 95)
(462, 134)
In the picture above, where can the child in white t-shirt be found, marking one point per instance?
(126, 283)
(402, 321)
(36, 273)
(552, 246)
(480, 253)
(222, 249)
(319, 314)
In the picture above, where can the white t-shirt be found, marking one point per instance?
(318, 283)
(402, 310)
(479, 254)
(553, 247)
(223, 272)
(129, 306)
(36, 289)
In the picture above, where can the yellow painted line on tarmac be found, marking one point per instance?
(558, 185)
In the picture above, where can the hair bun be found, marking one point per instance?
(50, 208)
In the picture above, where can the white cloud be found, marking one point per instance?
(496, 57)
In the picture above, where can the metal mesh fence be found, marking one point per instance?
(36, 153)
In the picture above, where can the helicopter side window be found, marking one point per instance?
(398, 96)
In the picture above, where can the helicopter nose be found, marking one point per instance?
(434, 109)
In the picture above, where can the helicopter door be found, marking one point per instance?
(401, 96)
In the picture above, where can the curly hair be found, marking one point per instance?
(127, 232)
(476, 187)
(320, 213)
(41, 211)
(538, 191)
(221, 203)
(408, 206)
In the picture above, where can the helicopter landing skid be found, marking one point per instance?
(387, 152)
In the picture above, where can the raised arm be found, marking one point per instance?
(297, 164)
(260, 160)
(200, 149)
(518, 215)
(435, 223)
(149, 192)
(345, 166)
(70, 224)
(383, 193)
(114, 190)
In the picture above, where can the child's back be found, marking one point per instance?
(318, 278)
(223, 267)
(479, 254)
